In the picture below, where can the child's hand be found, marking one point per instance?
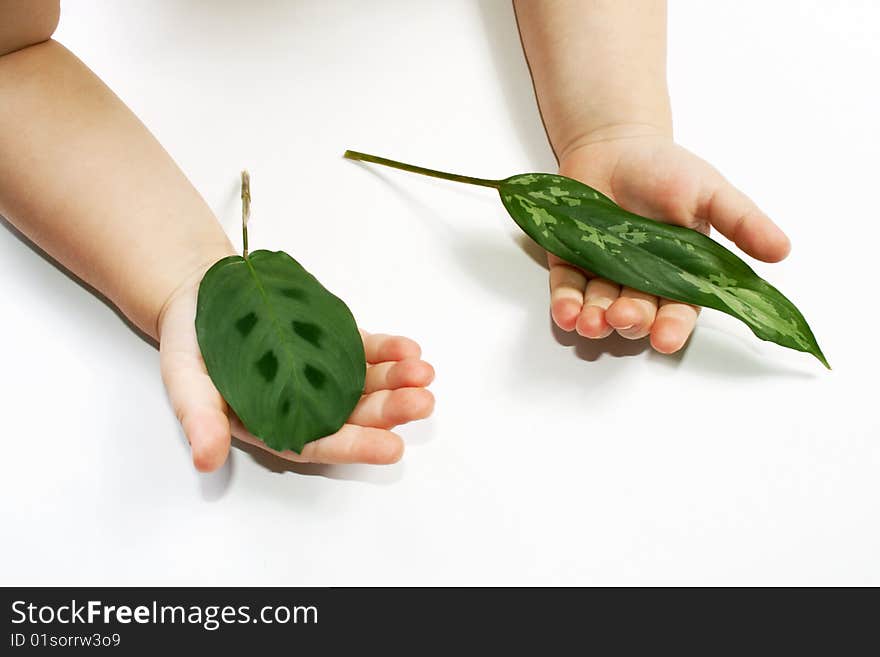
(650, 175)
(395, 394)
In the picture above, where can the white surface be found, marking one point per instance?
(550, 460)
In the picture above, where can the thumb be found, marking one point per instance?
(200, 409)
(737, 217)
(198, 405)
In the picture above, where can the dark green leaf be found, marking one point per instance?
(283, 351)
(586, 228)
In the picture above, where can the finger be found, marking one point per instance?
(598, 297)
(388, 408)
(196, 402)
(408, 373)
(567, 284)
(379, 347)
(351, 444)
(673, 326)
(199, 408)
(632, 315)
(737, 217)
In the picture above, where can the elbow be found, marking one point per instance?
(25, 23)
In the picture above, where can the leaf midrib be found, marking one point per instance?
(282, 339)
(637, 247)
(789, 309)
(649, 226)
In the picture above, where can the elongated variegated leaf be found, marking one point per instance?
(283, 351)
(586, 228)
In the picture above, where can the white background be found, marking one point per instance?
(550, 459)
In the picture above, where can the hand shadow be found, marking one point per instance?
(367, 474)
(213, 486)
(591, 350)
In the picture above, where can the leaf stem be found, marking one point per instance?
(245, 210)
(483, 182)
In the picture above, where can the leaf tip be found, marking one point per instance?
(821, 358)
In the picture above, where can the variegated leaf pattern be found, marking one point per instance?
(284, 352)
(586, 228)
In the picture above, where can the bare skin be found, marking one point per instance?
(599, 69)
(83, 178)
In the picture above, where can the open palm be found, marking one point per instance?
(654, 177)
(394, 394)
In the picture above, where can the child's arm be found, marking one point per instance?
(599, 68)
(84, 179)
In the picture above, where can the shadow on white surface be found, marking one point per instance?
(214, 485)
(502, 35)
(592, 350)
(718, 352)
(532, 249)
(21, 237)
(488, 261)
(366, 474)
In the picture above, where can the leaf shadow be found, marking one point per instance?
(390, 178)
(723, 353)
(487, 261)
(532, 249)
(383, 475)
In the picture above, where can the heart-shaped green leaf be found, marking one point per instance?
(284, 352)
(586, 228)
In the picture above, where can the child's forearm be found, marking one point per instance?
(599, 67)
(82, 177)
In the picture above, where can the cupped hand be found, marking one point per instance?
(652, 176)
(394, 394)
